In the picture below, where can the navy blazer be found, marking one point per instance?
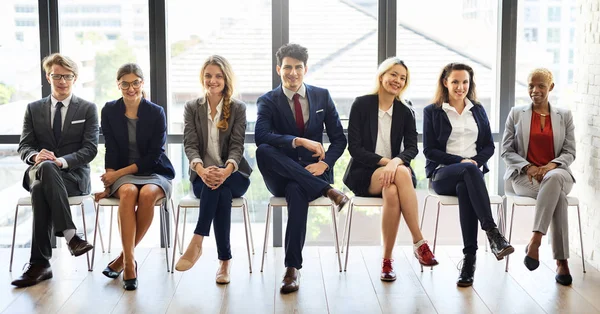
(276, 125)
(437, 129)
(362, 136)
(151, 137)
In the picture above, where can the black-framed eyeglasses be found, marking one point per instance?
(58, 77)
(125, 85)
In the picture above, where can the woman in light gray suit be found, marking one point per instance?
(538, 147)
(214, 130)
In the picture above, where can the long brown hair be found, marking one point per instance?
(441, 94)
(228, 89)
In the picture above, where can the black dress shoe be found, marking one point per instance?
(467, 271)
(530, 262)
(338, 198)
(79, 246)
(110, 273)
(290, 282)
(498, 244)
(131, 284)
(565, 280)
(34, 274)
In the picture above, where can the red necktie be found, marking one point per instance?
(298, 111)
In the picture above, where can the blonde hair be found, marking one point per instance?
(384, 67)
(542, 72)
(441, 94)
(63, 61)
(228, 89)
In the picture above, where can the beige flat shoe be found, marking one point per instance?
(223, 274)
(189, 258)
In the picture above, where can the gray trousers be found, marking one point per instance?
(551, 206)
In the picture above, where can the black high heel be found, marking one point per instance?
(110, 273)
(131, 284)
(531, 263)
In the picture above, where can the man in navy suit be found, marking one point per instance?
(290, 154)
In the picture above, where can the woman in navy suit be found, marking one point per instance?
(457, 142)
(379, 123)
(137, 168)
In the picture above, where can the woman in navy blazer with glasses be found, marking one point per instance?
(457, 142)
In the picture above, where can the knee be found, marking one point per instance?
(390, 193)
(128, 191)
(403, 175)
(47, 168)
(149, 195)
(553, 177)
(293, 188)
(263, 151)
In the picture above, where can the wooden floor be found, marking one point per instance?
(323, 288)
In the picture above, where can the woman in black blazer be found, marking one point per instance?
(213, 138)
(457, 142)
(137, 168)
(378, 125)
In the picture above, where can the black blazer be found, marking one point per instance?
(151, 136)
(437, 129)
(362, 136)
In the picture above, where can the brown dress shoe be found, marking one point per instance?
(290, 282)
(338, 198)
(34, 274)
(78, 246)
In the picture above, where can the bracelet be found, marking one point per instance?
(526, 168)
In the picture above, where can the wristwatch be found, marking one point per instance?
(527, 167)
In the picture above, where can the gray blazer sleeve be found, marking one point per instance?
(28, 143)
(512, 159)
(238, 132)
(567, 154)
(191, 142)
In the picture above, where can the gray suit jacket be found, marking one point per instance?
(515, 141)
(231, 141)
(78, 144)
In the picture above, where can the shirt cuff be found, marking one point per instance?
(64, 163)
(325, 164)
(294, 142)
(28, 159)
(234, 163)
(194, 162)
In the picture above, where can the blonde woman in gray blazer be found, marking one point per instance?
(538, 147)
(214, 130)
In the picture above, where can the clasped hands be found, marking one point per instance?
(538, 173)
(212, 176)
(317, 168)
(44, 155)
(389, 171)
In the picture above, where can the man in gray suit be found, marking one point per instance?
(59, 140)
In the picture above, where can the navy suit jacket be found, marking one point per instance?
(437, 129)
(151, 137)
(276, 126)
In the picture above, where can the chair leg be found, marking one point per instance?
(267, 223)
(512, 219)
(176, 234)
(249, 224)
(437, 220)
(176, 238)
(12, 247)
(581, 239)
(349, 223)
(165, 237)
(424, 209)
(110, 228)
(96, 229)
(335, 236)
(346, 227)
(87, 254)
(183, 231)
(246, 222)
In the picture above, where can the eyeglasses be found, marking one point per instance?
(58, 77)
(125, 85)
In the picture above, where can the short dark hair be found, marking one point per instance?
(293, 51)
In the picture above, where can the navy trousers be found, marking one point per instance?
(465, 180)
(286, 177)
(215, 206)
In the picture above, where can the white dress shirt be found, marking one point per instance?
(303, 102)
(383, 147)
(463, 138)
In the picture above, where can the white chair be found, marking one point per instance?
(530, 202)
(73, 201)
(281, 202)
(112, 202)
(361, 202)
(190, 201)
(445, 200)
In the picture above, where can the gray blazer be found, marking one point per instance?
(195, 134)
(515, 141)
(78, 144)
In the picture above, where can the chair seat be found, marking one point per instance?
(193, 201)
(113, 201)
(447, 200)
(367, 201)
(530, 201)
(280, 201)
(73, 200)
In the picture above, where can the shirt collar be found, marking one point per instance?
(290, 94)
(468, 105)
(66, 102)
(389, 112)
(219, 107)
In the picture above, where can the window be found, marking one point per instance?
(98, 38)
(553, 35)
(26, 22)
(530, 34)
(573, 14)
(239, 30)
(570, 78)
(572, 35)
(532, 14)
(555, 53)
(571, 56)
(25, 9)
(554, 14)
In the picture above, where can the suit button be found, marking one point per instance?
(299, 158)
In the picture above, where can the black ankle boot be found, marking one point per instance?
(467, 271)
(498, 244)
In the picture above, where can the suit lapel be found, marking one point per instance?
(311, 108)
(46, 117)
(526, 127)
(374, 121)
(71, 110)
(202, 117)
(558, 130)
(397, 121)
